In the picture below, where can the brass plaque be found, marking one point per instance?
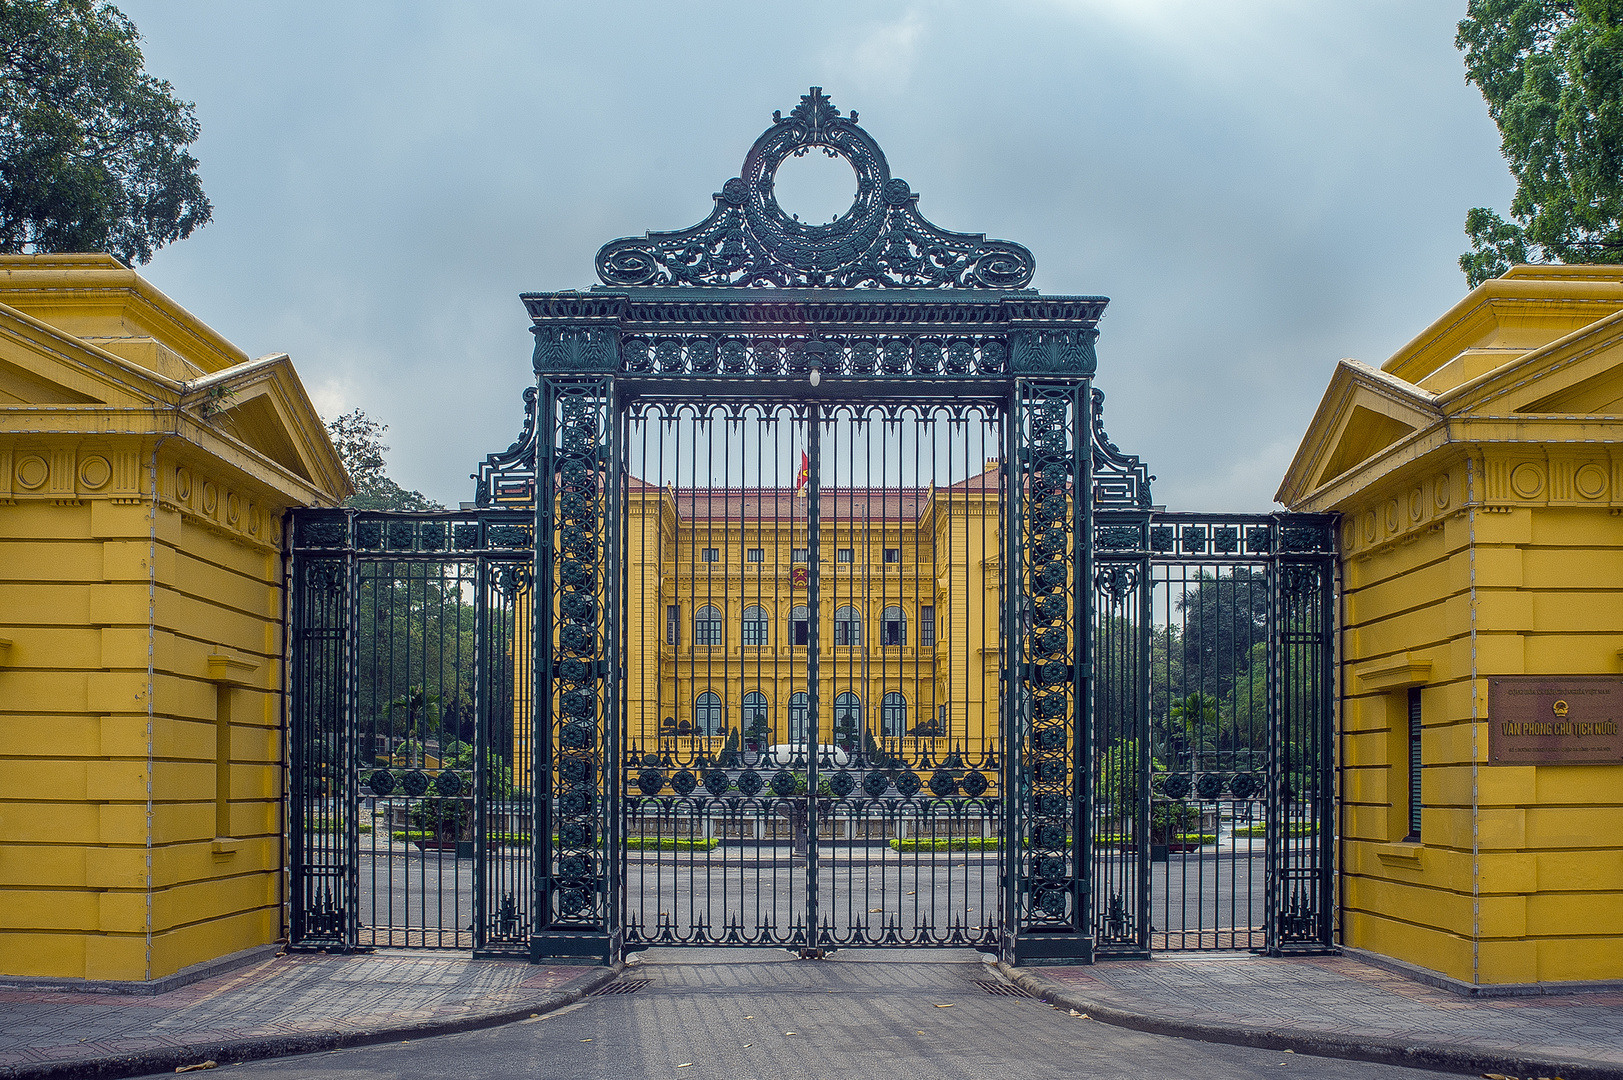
(1555, 720)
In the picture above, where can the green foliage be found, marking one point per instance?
(671, 843)
(1168, 818)
(1117, 786)
(448, 819)
(363, 828)
(1551, 72)
(1117, 839)
(498, 773)
(92, 148)
(957, 843)
(359, 441)
(1300, 828)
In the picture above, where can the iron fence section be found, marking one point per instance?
(409, 713)
(1214, 659)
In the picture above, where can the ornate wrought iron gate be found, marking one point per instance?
(1214, 807)
(410, 734)
(813, 674)
(909, 689)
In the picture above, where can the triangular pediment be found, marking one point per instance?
(41, 365)
(1364, 413)
(21, 385)
(1364, 433)
(1577, 375)
(262, 405)
(1598, 395)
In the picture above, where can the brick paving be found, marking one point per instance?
(281, 1000)
(1350, 1000)
(282, 1004)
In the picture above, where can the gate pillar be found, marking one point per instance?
(577, 625)
(1047, 625)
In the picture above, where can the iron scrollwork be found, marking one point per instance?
(882, 241)
(577, 672)
(1047, 653)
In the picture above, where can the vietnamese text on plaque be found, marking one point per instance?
(1552, 719)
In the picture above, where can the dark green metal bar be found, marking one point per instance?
(814, 444)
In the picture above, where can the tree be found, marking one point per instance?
(359, 441)
(92, 148)
(1551, 72)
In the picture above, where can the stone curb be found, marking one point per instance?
(1448, 1057)
(253, 1048)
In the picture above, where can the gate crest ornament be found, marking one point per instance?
(882, 241)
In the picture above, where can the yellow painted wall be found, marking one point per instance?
(140, 706)
(1479, 538)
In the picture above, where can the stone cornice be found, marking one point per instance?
(1583, 297)
(45, 426)
(91, 281)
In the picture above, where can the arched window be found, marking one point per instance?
(707, 714)
(893, 715)
(847, 716)
(893, 627)
(755, 623)
(848, 626)
(755, 718)
(707, 626)
(798, 704)
(799, 625)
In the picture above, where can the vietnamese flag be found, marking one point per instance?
(803, 477)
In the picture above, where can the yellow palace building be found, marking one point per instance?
(909, 609)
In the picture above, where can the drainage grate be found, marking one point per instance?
(1002, 989)
(624, 986)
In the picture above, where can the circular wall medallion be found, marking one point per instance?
(1369, 527)
(1349, 533)
(1590, 481)
(32, 471)
(211, 498)
(1417, 504)
(233, 509)
(1392, 520)
(1527, 480)
(183, 483)
(1442, 492)
(94, 472)
(255, 519)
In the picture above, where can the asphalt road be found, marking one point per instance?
(416, 898)
(761, 1014)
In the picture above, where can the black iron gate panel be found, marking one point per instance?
(813, 674)
(410, 707)
(1213, 801)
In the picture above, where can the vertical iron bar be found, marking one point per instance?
(814, 527)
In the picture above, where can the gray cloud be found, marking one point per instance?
(1260, 187)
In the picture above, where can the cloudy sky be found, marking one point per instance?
(1260, 187)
